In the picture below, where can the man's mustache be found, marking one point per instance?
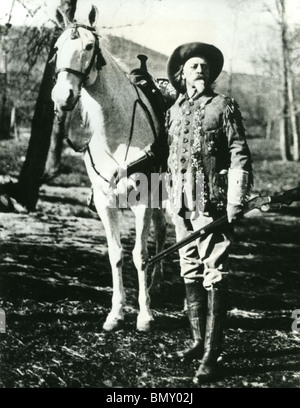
(199, 77)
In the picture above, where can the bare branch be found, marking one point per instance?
(120, 26)
(31, 12)
(274, 13)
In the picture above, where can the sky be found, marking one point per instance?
(237, 27)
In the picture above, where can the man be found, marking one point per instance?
(209, 166)
(209, 173)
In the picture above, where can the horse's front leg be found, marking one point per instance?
(160, 232)
(110, 219)
(140, 259)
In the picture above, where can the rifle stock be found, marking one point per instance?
(288, 197)
(256, 203)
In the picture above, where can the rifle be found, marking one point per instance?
(264, 204)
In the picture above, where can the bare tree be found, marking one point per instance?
(288, 120)
(4, 126)
(26, 191)
(286, 114)
(236, 6)
(284, 122)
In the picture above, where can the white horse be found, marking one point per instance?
(87, 71)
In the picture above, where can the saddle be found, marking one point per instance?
(159, 92)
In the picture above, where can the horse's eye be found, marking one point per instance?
(89, 47)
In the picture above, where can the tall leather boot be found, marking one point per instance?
(216, 315)
(196, 300)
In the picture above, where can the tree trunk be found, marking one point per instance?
(4, 115)
(284, 125)
(293, 119)
(26, 191)
(269, 129)
(284, 144)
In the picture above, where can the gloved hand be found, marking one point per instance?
(139, 165)
(119, 173)
(139, 77)
(234, 212)
(238, 189)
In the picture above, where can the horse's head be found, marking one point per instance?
(78, 59)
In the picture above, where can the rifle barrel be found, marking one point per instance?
(288, 197)
(257, 202)
(203, 231)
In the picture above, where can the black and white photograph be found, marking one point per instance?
(150, 197)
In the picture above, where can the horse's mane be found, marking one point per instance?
(96, 109)
(91, 111)
(105, 43)
(121, 64)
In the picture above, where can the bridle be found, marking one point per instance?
(96, 57)
(84, 76)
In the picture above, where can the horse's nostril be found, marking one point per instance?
(71, 94)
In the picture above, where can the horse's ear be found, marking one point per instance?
(61, 18)
(93, 16)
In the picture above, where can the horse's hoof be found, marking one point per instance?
(143, 325)
(113, 324)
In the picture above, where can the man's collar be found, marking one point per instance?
(204, 97)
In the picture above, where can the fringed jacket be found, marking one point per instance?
(206, 137)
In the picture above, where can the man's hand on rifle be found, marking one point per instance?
(238, 189)
(234, 212)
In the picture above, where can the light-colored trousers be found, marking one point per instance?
(206, 257)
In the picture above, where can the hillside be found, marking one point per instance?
(24, 78)
(245, 88)
(128, 50)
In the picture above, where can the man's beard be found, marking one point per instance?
(200, 85)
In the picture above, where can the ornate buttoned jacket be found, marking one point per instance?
(206, 137)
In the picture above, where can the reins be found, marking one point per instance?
(139, 101)
(96, 54)
(84, 78)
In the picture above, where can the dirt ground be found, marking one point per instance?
(55, 285)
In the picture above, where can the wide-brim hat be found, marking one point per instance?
(186, 51)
